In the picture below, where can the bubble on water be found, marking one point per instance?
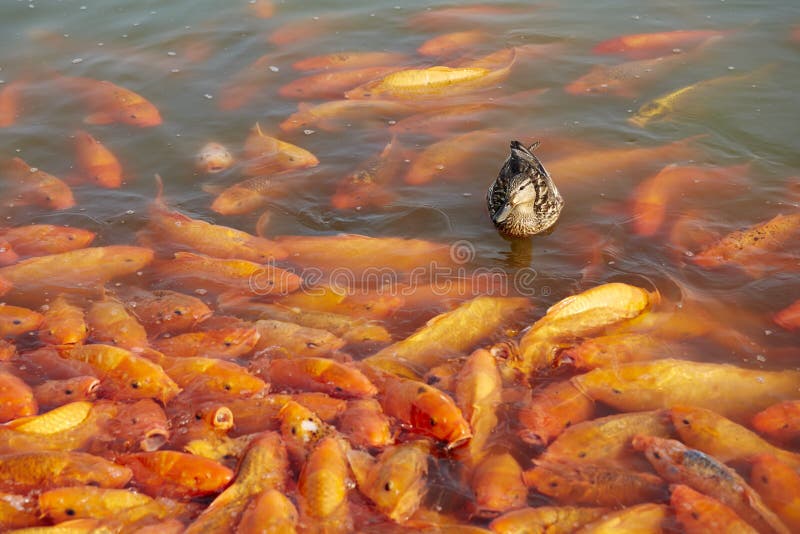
(767, 332)
(392, 122)
(273, 68)
(200, 291)
(308, 132)
(171, 53)
(208, 96)
(761, 358)
(77, 60)
(83, 8)
(466, 194)
(174, 71)
(731, 67)
(130, 212)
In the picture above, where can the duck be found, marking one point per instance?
(523, 201)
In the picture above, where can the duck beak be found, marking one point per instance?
(502, 214)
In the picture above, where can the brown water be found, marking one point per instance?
(182, 55)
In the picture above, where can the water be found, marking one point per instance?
(182, 55)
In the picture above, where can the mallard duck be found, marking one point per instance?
(523, 201)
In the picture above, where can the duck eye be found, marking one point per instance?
(523, 187)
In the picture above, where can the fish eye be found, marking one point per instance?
(388, 485)
(197, 416)
(135, 384)
(433, 421)
(17, 321)
(133, 116)
(657, 455)
(178, 312)
(227, 387)
(69, 511)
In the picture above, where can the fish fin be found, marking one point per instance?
(360, 464)
(98, 118)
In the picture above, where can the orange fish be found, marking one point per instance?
(337, 115)
(463, 15)
(452, 43)
(211, 375)
(349, 60)
(442, 122)
(175, 474)
(64, 323)
(294, 339)
(241, 276)
(269, 512)
(779, 486)
(780, 422)
(651, 45)
(11, 102)
(301, 429)
(15, 321)
(478, 393)
(332, 84)
(17, 511)
(365, 425)
(448, 159)
(653, 196)
(253, 193)
(321, 374)
(123, 374)
(246, 84)
(29, 471)
(590, 484)
(33, 186)
(172, 230)
(396, 480)
(263, 154)
(611, 350)
(213, 158)
(626, 79)
(95, 162)
(497, 485)
(54, 393)
(301, 30)
(140, 426)
(679, 464)
(323, 487)
(110, 322)
(82, 269)
(16, 398)
(225, 343)
(262, 9)
(356, 302)
(789, 317)
(423, 409)
(698, 513)
(121, 505)
(549, 519)
(723, 439)
(112, 103)
(642, 518)
(750, 248)
(43, 239)
(552, 409)
(7, 350)
(164, 311)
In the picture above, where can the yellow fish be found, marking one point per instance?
(661, 106)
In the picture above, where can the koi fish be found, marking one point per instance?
(54, 393)
(449, 333)
(7, 253)
(253, 193)
(497, 485)
(567, 481)
(660, 107)
(779, 486)
(112, 103)
(332, 84)
(452, 43)
(321, 374)
(241, 276)
(323, 487)
(175, 474)
(722, 438)
(64, 323)
(16, 398)
(647, 517)
(109, 322)
(141, 425)
(678, 464)
(65, 428)
(261, 9)
(700, 513)
(246, 84)
(28, 471)
(213, 158)
(729, 390)
(164, 311)
(127, 507)
(95, 162)
(269, 511)
(295, 339)
(123, 374)
(43, 239)
(549, 519)
(779, 422)
(478, 393)
(263, 154)
(211, 375)
(395, 481)
(552, 409)
(651, 45)
(448, 159)
(349, 60)
(336, 115)
(15, 320)
(225, 343)
(652, 196)
(789, 317)
(32, 186)
(11, 102)
(365, 425)
(611, 350)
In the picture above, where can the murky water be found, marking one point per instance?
(184, 55)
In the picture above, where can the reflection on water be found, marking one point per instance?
(610, 118)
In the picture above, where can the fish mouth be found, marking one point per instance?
(502, 214)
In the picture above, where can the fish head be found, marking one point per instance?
(213, 158)
(142, 114)
(397, 480)
(434, 414)
(236, 201)
(649, 112)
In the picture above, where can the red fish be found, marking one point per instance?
(43, 239)
(780, 422)
(650, 45)
(333, 84)
(349, 60)
(96, 162)
(175, 474)
(16, 398)
(33, 186)
(111, 103)
(789, 317)
(54, 393)
(10, 102)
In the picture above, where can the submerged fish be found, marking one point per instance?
(213, 158)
